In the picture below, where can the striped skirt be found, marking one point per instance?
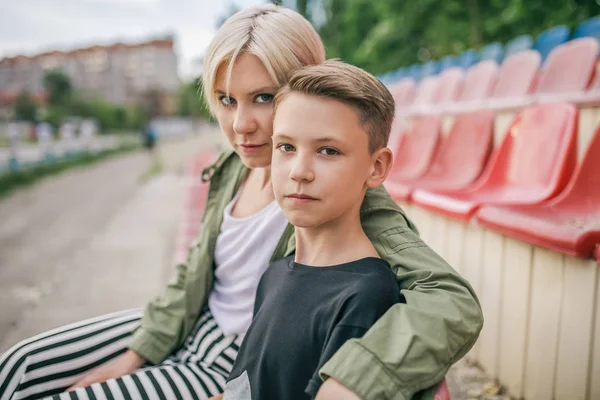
(47, 364)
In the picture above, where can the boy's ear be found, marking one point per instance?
(382, 160)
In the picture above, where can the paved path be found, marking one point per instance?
(89, 241)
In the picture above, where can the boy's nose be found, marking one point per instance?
(302, 171)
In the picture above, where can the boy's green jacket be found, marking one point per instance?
(408, 350)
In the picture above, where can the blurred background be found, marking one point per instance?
(85, 85)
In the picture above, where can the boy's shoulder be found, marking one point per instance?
(374, 276)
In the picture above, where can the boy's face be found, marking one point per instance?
(321, 163)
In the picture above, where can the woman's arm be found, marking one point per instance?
(412, 346)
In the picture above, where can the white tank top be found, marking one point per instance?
(243, 250)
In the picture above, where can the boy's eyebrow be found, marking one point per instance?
(319, 140)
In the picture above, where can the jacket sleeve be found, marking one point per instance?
(414, 344)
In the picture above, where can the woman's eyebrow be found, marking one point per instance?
(264, 89)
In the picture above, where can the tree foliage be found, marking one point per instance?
(386, 34)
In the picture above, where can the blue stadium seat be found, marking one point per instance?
(447, 62)
(549, 39)
(467, 59)
(493, 51)
(414, 71)
(429, 68)
(517, 45)
(588, 28)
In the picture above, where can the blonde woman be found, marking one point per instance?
(184, 343)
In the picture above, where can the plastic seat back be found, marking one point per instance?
(570, 67)
(549, 39)
(480, 81)
(463, 154)
(517, 75)
(450, 86)
(517, 45)
(539, 151)
(417, 147)
(426, 90)
(414, 71)
(429, 68)
(493, 51)
(588, 28)
(583, 192)
(403, 91)
(447, 62)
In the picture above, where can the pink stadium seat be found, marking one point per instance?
(479, 84)
(403, 92)
(455, 165)
(442, 392)
(570, 223)
(417, 147)
(516, 80)
(533, 164)
(424, 95)
(568, 71)
(450, 87)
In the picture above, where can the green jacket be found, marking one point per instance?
(409, 349)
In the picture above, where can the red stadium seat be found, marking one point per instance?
(533, 164)
(424, 95)
(568, 70)
(417, 148)
(516, 80)
(403, 92)
(479, 84)
(442, 392)
(450, 87)
(570, 223)
(455, 165)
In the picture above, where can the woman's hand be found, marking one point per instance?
(217, 397)
(122, 365)
(333, 390)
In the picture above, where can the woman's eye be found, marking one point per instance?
(286, 148)
(328, 151)
(227, 101)
(264, 98)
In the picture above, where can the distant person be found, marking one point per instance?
(149, 137)
(184, 343)
(43, 132)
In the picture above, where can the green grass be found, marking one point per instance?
(27, 176)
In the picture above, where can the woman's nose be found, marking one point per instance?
(244, 122)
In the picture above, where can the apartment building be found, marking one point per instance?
(119, 73)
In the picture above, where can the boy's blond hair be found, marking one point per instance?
(281, 38)
(352, 86)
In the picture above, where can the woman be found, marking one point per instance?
(185, 342)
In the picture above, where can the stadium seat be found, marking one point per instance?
(517, 45)
(467, 59)
(493, 51)
(588, 28)
(447, 62)
(570, 223)
(403, 91)
(424, 96)
(479, 84)
(533, 164)
(455, 165)
(568, 71)
(549, 39)
(516, 80)
(414, 71)
(449, 89)
(417, 147)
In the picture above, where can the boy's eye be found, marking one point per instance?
(286, 148)
(264, 98)
(227, 101)
(328, 151)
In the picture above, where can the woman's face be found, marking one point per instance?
(246, 114)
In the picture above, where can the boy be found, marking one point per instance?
(331, 127)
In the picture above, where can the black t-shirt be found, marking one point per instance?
(302, 316)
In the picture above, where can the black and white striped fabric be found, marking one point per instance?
(45, 365)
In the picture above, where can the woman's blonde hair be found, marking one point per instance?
(281, 38)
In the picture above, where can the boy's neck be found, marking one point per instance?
(336, 242)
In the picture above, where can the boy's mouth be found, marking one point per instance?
(301, 197)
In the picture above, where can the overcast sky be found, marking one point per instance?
(32, 26)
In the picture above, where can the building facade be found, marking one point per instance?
(119, 73)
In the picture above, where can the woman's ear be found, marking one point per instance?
(382, 160)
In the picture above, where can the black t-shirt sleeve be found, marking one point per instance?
(339, 336)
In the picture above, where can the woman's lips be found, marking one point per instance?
(251, 148)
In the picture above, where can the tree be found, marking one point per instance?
(190, 101)
(25, 107)
(59, 88)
